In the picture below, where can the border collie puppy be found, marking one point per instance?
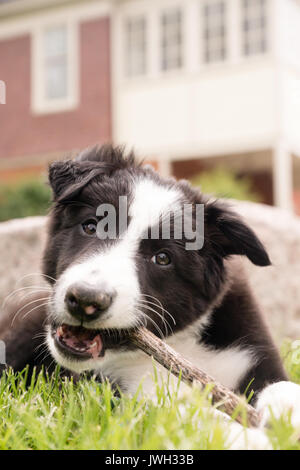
(197, 299)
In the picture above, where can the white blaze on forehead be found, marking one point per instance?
(151, 201)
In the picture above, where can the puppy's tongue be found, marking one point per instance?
(80, 340)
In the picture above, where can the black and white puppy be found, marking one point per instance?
(198, 299)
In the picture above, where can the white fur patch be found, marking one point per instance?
(228, 366)
(150, 201)
(239, 438)
(280, 399)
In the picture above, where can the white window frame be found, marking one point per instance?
(2, 92)
(40, 104)
(262, 31)
(129, 53)
(216, 39)
(171, 10)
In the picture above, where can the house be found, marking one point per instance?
(191, 84)
(55, 62)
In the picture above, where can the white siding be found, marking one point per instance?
(290, 45)
(211, 113)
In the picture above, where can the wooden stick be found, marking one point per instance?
(171, 360)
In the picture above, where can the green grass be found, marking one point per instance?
(55, 413)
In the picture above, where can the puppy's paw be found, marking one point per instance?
(280, 399)
(239, 438)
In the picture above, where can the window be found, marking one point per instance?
(135, 44)
(56, 63)
(2, 92)
(214, 31)
(55, 68)
(171, 40)
(254, 26)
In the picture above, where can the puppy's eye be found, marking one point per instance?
(163, 259)
(89, 227)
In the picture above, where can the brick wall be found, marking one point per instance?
(24, 134)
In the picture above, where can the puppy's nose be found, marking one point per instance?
(86, 302)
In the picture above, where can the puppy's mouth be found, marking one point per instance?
(83, 343)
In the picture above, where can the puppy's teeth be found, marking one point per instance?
(60, 331)
(94, 344)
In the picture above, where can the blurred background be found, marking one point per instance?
(207, 90)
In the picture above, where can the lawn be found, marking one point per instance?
(55, 413)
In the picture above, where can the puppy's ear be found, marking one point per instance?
(68, 178)
(230, 235)
(62, 174)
